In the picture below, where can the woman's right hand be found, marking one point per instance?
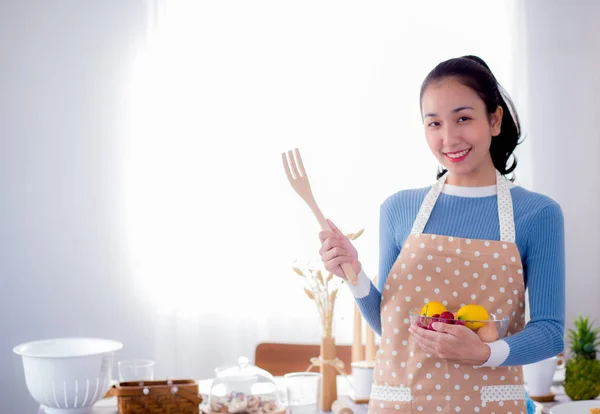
(337, 249)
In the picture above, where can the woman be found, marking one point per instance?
(472, 238)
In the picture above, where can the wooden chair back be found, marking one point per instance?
(280, 359)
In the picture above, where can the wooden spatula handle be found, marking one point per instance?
(346, 267)
(349, 272)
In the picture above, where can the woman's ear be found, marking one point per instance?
(496, 121)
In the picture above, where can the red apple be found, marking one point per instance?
(447, 317)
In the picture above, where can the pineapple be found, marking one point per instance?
(582, 378)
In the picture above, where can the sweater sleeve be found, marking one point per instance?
(544, 267)
(366, 294)
(388, 248)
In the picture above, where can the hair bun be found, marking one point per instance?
(478, 60)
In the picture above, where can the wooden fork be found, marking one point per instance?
(294, 169)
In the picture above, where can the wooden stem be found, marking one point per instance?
(370, 348)
(328, 374)
(357, 345)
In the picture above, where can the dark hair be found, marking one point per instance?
(474, 73)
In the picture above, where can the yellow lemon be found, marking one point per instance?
(473, 313)
(432, 308)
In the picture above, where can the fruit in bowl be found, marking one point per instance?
(488, 326)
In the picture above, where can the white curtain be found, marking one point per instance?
(223, 88)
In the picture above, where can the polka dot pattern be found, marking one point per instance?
(454, 271)
(466, 278)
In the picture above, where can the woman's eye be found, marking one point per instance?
(433, 124)
(463, 119)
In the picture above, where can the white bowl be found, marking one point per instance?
(68, 375)
(574, 407)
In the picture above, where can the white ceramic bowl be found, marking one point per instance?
(574, 407)
(68, 375)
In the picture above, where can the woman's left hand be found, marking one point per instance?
(451, 342)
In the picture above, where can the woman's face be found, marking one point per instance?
(457, 126)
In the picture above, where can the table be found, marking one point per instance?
(109, 405)
(559, 398)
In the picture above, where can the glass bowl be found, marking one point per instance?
(488, 330)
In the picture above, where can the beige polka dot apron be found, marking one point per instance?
(454, 271)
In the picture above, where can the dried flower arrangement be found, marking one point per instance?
(322, 290)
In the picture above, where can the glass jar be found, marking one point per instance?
(244, 388)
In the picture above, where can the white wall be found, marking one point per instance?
(64, 67)
(63, 76)
(559, 69)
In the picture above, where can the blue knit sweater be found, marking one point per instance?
(539, 230)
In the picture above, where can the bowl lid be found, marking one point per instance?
(241, 372)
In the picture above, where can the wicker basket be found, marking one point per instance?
(157, 397)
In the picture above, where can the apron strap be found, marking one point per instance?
(427, 205)
(505, 208)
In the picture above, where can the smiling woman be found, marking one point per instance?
(476, 247)
(467, 114)
(217, 95)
